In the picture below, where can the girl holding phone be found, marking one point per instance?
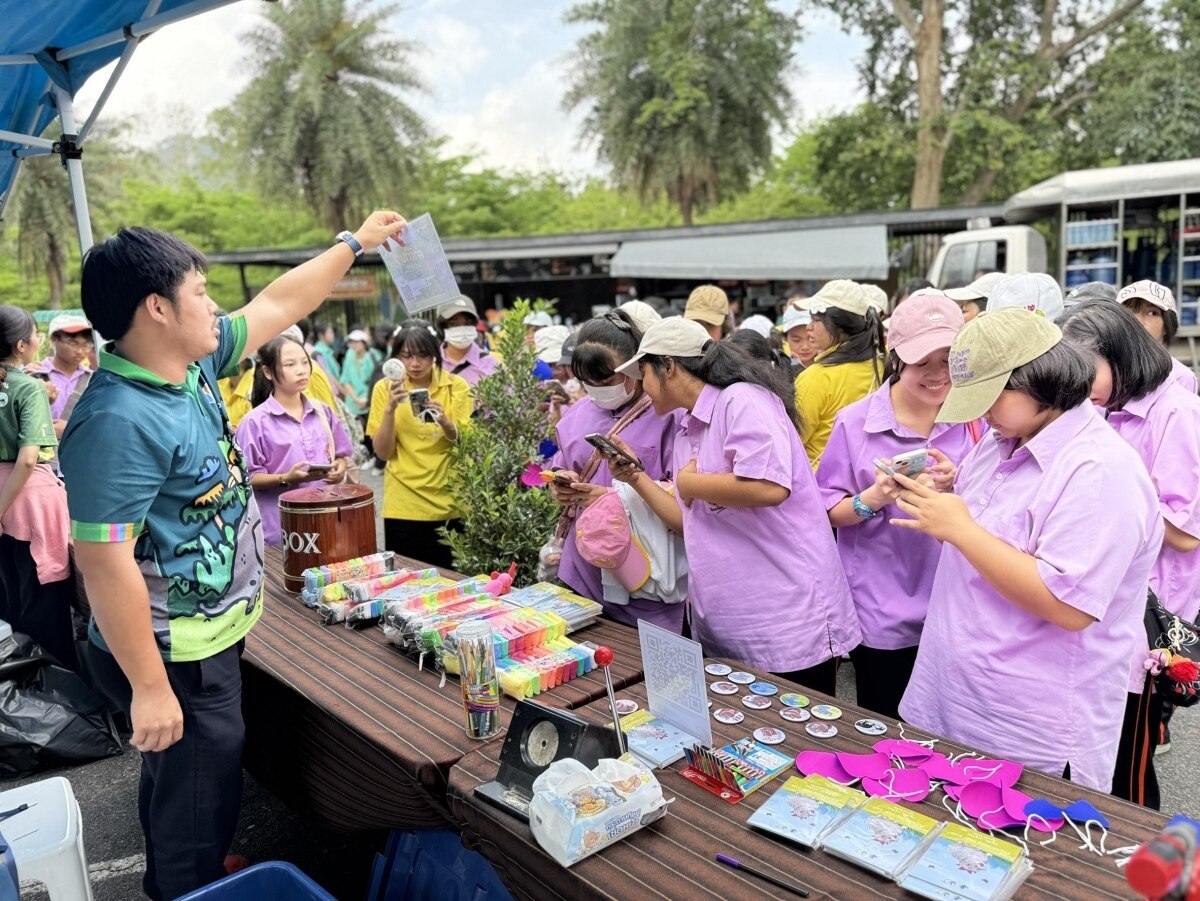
(848, 335)
(764, 581)
(891, 571)
(1047, 547)
(415, 440)
(615, 405)
(286, 438)
(1160, 419)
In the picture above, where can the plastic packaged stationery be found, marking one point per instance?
(480, 687)
(961, 863)
(804, 807)
(880, 836)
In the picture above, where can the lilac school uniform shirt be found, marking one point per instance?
(890, 570)
(273, 442)
(471, 368)
(765, 583)
(991, 675)
(1183, 375)
(651, 437)
(1164, 428)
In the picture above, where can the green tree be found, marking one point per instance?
(501, 520)
(1008, 65)
(682, 95)
(323, 118)
(45, 224)
(787, 190)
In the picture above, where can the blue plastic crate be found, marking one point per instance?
(433, 864)
(270, 881)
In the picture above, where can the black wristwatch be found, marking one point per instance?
(351, 242)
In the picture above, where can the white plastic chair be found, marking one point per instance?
(47, 838)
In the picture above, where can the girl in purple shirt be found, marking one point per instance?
(1161, 421)
(1047, 546)
(891, 571)
(287, 435)
(602, 344)
(765, 585)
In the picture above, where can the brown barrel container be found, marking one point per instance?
(324, 524)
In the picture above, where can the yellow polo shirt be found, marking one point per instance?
(414, 480)
(822, 391)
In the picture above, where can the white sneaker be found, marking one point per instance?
(1159, 750)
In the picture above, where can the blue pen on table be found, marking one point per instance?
(738, 865)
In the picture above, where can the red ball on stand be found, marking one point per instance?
(604, 656)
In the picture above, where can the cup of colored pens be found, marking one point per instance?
(477, 675)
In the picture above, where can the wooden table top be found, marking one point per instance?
(673, 858)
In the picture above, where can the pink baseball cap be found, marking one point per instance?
(927, 321)
(604, 539)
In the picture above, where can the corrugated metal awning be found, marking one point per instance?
(812, 253)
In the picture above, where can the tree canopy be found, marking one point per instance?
(681, 95)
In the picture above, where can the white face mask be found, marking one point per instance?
(609, 397)
(461, 336)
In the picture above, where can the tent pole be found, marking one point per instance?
(74, 164)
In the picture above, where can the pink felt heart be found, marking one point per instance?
(953, 791)
(823, 763)
(864, 765)
(979, 798)
(911, 752)
(899, 785)
(1004, 773)
(1014, 802)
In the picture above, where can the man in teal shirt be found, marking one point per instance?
(167, 534)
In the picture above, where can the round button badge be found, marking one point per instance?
(718, 669)
(826, 712)
(763, 688)
(741, 678)
(755, 702)
(821, 730)
(870, 727)
(795, 714)
(769, 736)
(626, 706)
(724, 688)
(792, 699)
(728, 715)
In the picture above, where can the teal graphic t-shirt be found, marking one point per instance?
(155, 461)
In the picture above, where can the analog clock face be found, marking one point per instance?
(541, 743)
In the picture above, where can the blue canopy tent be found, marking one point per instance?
(48, 50)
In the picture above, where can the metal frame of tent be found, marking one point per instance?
(64, 70)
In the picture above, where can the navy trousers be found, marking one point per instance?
(190, 794)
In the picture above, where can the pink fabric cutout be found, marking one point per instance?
(1004, 773)
(823, 763)
(899, 785)
(864, 765)
(908, 751)
(979, 798)
(940, 767)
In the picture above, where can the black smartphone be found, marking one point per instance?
(609, 449)
(320, 468)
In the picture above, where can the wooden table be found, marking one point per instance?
(342, 726)
(673, 858)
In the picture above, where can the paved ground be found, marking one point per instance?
(269, 830)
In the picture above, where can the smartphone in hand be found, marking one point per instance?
(610, 450)
(320, 468)
(910, 464)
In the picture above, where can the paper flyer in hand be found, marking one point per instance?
(419, 268)
(675, 686)
(803, 807)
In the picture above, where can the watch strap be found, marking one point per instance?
(351, 242)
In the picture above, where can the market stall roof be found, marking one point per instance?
(48, 50)
(1099, 185)
(797, 253)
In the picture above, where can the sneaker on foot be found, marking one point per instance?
(1159, 750)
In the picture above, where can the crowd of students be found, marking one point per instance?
(748, 497)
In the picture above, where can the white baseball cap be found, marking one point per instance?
(673, 337)
(1032, 291)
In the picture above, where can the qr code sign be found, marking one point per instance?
(674, 671)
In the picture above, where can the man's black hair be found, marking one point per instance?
(122, 271)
